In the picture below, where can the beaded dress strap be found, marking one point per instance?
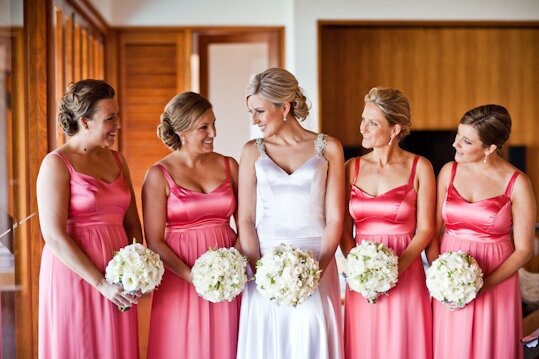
(320, 144)
(259, 143)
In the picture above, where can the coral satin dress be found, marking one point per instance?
(491, 325)
(398, 325)
(75, 320)
(183, 324)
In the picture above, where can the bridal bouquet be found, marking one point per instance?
(371, 269)
(219, 274)
(454, 279)
(136, 268)
(287, 275)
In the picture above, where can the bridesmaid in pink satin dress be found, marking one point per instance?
(391, 196)
(87, 212)
(188, 198)
(482, 199)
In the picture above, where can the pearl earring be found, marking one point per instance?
(485, 159)
(390, 141)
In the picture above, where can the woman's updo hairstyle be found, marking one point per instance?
(279, 86)
(181, 114)
(394, 105)
(492, 123)
(80, 101)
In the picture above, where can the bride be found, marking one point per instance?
(290, 191)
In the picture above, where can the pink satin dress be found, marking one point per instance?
(183, 324)
(75, 320)
(399, 325)
(491, 325)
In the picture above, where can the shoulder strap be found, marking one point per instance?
(167, 175)
(356, 170)
(228, 173)
(511, 184)
(412, 173)
(453, 171)
(116, 156)
(67, 163)
(320, 144)
(259, 143)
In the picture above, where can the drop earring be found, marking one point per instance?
(182, 138)
(390, 141)
(485, 159)
(284, 118)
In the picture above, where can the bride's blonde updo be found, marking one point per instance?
(180, 115)
(80, 101)
(279, 86)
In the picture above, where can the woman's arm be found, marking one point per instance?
(334, 203)
(53, 203)
(426, 204)
(523, 212)
(433, 249)
(234, 169)
(131, 223)
(347, 240)
(247, 204)
(154, 211)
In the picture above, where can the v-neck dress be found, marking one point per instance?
(75, 320)
(491, 325)
(399, 325)
(290, 209)
(183, 324)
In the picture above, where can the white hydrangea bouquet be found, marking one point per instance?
(136, 268)
(371, 269)
(220, 274)
(287, 275)
(454, 279)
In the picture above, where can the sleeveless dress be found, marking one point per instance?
(399, 325)
(290, 209)
(183, 324)
(491, 325)
(75, 320)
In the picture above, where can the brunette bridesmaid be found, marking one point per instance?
(488, 209)
(188, 198)
(87, 212)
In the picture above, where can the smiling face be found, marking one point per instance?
(374, 127)
(468, 146)
(267, 116)
(200, 139)
(104, 124)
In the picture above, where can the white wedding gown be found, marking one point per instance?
(290, 209)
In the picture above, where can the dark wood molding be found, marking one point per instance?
(88, 11)
(37, 15)
(429, 23)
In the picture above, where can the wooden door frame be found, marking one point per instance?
(204, 37)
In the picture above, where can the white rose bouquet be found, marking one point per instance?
(454, 279)
(220, 274)
(287, 275)
(371, 269)
(136, 268)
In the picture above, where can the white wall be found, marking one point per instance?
(300, 20)
(308, 12)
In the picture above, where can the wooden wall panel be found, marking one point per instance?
(444, 69)
(152, 69)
